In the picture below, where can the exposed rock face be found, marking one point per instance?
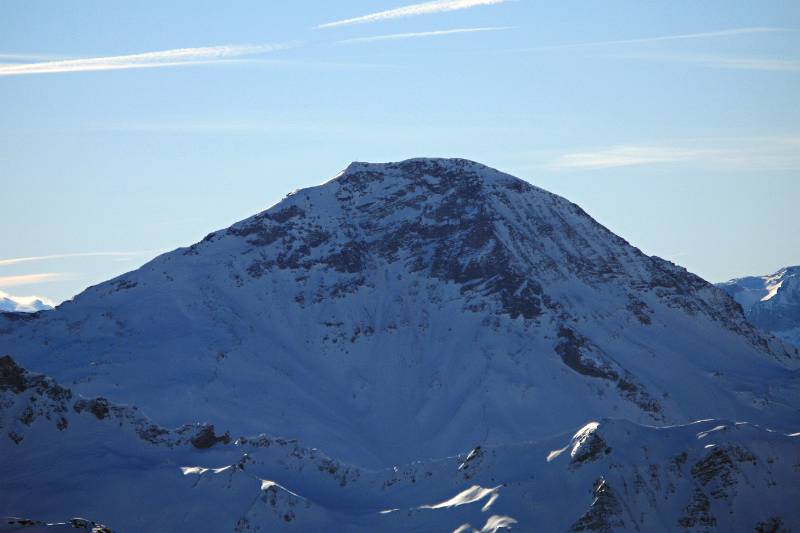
(12, 376)
(32, 526)
(26, 397)
(397, 314)
(772, 302)
(605, 513)
(206, 438)
(698, 515)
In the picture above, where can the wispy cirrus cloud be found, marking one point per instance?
(17, 260)
(708, 60)
(764, 153)
(626, 155)
(26, 57)
(435, 33)
(661, 38)
(425, 8)
(30, 279)
(162, 58)
(726, 62)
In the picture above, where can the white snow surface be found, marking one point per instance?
(391, 320)
(113, 464)
(23, 304)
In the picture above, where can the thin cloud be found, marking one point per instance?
(425, 8)
(30, 279)
(162, 58)
(27, 57)
(679, 37)
(714, 61)
(626, 155)
(766, 153)
(436, 33)
(17, 260)
(726, 62)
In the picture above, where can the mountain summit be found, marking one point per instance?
(771, 302)
(402, 310)
(398, 314)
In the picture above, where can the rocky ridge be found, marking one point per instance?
(611, 475)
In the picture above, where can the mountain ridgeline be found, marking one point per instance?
(772, 302)
(406, 314)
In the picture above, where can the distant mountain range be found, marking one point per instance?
(23, 304)
(771, 302)
(429, 345)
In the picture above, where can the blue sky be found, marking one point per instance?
(676, 124)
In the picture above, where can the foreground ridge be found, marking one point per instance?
(609, 475)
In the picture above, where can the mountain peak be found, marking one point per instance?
(789, 271)
(432, 164)
(461, 303)
(771, 302)
(431, 168)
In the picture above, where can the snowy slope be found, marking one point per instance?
(771, 302)
(398, 314)
(400, 310)
(610, 475)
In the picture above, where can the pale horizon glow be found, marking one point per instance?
(426, 8)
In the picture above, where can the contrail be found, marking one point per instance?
(426, 8)
(162, 58)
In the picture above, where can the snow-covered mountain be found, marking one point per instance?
(69, 454)
(771, 302)
(23, 304)
(391, 320)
